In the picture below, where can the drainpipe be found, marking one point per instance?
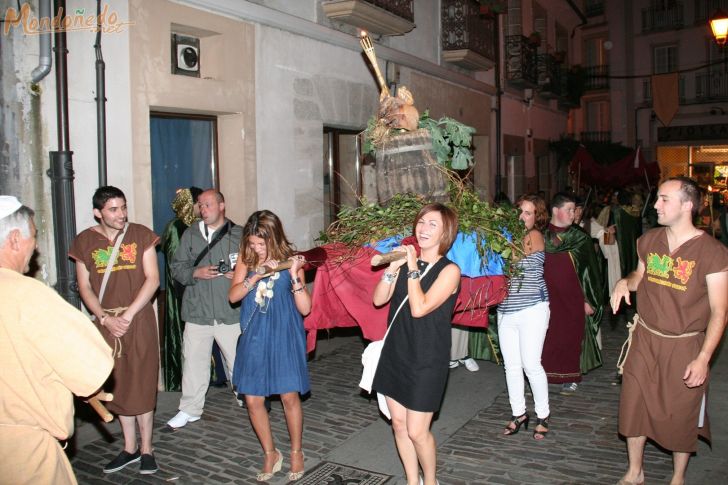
(61, 175)
(44, 63)
(100, 101)
(498, 99)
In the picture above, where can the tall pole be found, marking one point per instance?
(61, 174)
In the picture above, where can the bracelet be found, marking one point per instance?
(298, 290)
(247, 284)
(413, 275)
(389, 278)
(295, 280)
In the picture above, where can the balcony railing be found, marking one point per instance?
(549, 77)
(521, 62)
(467, 36)
(655, 19)
(594, 8)
(647, 90)
(400, 8)
(597, 77)
(384, 17)
(597, 136)
(705, 8)
(711, 86)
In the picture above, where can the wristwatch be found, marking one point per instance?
(413, 275)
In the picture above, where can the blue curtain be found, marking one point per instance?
(182, 156)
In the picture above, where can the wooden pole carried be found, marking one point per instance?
(95, 403)
(380, 259)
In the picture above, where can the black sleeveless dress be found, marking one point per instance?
(413, 366)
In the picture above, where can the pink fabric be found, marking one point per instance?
(345, 282)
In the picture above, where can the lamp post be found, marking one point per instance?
(719, 26)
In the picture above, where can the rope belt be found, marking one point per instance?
(628, 343)
(115, 312)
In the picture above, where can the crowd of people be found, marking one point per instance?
(243, 288)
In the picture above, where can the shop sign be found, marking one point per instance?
(717, 131)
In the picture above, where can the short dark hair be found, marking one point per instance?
(195, 192)
(624, 197)
(689, 191)
(561, 198)
(104, 194)
(449, 224)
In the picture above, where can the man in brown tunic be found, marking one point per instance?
(682, 303)
(124, 315)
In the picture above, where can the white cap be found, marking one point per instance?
(8, 205)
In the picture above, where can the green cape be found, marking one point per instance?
(579, 245)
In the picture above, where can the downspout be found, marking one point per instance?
(61, 175)
(44, 62)
(100, 101)
(498, 99)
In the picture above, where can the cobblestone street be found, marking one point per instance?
(343, 426)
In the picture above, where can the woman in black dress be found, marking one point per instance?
(414, 363)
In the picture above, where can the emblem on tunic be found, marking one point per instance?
(683, 269)
(660, 265)
(127, 252)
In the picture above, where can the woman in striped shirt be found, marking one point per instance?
(523, 318)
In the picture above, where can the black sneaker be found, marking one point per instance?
(149, 465)
(121, 461)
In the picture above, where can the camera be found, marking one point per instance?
(222, 267)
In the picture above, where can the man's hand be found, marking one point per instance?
(588, 309)
(117, 326)
(696, 372)
(621, 290)
(206, 272)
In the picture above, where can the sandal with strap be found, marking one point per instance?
(295, 476)
(517, 422)
(539, 435)
(264, 476)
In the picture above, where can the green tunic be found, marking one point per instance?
(173, 324)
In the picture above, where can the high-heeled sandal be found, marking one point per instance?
(265, 476)
(516, 421)
(539, 435)
(295, 476)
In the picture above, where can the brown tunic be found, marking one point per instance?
(134, 379)
(672, 298)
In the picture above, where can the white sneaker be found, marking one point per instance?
(470, 364)
(181, 420)
(454, 364)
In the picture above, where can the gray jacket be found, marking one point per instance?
(206, 300)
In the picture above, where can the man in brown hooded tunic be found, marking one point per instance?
(682, 302)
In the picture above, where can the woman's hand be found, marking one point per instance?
(395, 265)
(298, 262)
(411, 257)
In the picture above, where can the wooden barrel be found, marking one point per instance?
(406, 163)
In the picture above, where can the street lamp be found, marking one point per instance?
(719, 26)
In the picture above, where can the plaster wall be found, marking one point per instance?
(225, 89)
(304, 85)
(424, 40)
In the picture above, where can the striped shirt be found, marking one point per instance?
(527, 288)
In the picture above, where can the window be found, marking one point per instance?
(597, 116)
(515, 26)
(664, 59)
(596, 55)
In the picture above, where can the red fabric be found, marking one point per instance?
(618, 174)
(345, 282)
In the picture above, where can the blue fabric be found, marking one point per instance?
(181, 151)
(464, 253)
(271, 353)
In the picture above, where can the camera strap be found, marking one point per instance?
(212, 243)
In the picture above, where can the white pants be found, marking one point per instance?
(196, 355)
(459, 346)
(521, 335)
